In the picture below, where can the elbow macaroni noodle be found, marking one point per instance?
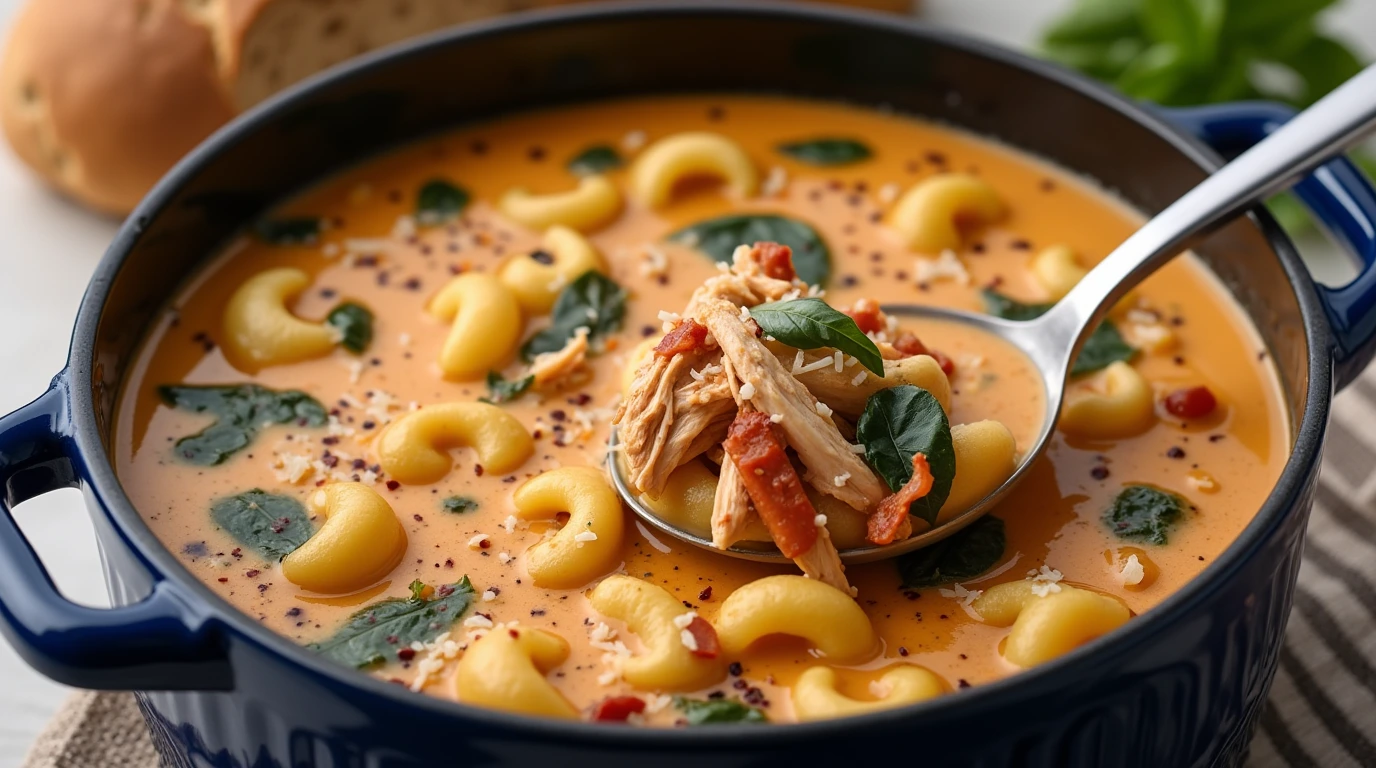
(415, 448)
(536, 285)
(1047, 627)
(486, 325)
(649, 612)
(360, 542)
(505, 670)
(1125, 407)
(985, 456)
(662, 165)
(929, 216)
(570, 558)
(795, 605)
(815, 696)
(261, 331)
(586, 207)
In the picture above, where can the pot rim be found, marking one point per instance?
(1022, 688)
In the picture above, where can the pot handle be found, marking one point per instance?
(163, 642)
(1338, 195)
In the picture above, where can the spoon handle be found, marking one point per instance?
(1311, 138)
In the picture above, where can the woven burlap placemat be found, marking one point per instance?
(1322, 710)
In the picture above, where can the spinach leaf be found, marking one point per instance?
(719, 237)
(716, 711)
(299, 230)
(1104, 346)
(902, 421)
(355, 324)
(593, 301)
(812, 323)
(240, 410)
(1143, 513)
(961, 556)
(375, 633)
(830, 151)
(439, 201)
(501, 391)
(271, 525)
(595, 159)
(458, 505)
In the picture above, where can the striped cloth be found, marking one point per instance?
(1322, 712)
(1323, 703)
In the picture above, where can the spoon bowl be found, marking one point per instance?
(1052, 341)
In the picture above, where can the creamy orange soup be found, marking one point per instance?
(371, 250)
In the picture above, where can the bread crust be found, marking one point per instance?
(101, 97)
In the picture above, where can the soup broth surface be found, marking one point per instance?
(373, 251)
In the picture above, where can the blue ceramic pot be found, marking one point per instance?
(1180, 685)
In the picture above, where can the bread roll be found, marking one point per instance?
(102, 97)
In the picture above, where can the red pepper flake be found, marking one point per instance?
(705, 638)
(892, 511)
(515, 635)
(478, 470)
(252, 573)
(236, 553)
(1175, 452)
(485, 543)
(1191, 403)
(688, 336)
(223, 580)
(705, 594)
(392, 485)
(406, 654)
(617, 709)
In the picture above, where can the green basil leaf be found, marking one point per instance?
(355, 324)
(375, 633)
(300, 230)
(1290, 213)
(898, 423)
(719, 237)
(440, 201)
(829, 151)
(271, 525)
(1144, 513)
(593, 301)
(596, 159)
(1323, 64)
(812, 324)
(1192, 26)
(1104, 346)
(717, 711)
(962, 556)
(501, 391)
(1095, 21)
(1261, 21)
(1158, 74)
(1104, 61)
(458, 505)
(241, 411)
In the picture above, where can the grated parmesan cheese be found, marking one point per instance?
(1044, 581)
(489, 595)
(823, 408)
(684, 619)
(504, 558)
(777, 418)
(689, 641)
(837, 361)
(858, 450)
(840, 480)
(583, 537)
(798, 363)
(747, 391)
(479, 621)
(775, 182)
(966, 598)
(859, 378)
(820, 521)
(889, 193)
(1133, 572)
(509, 523)
(477, 541)
(947, 266)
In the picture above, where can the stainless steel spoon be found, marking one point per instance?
(1053, 340)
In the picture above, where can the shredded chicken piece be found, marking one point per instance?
(813, 436)
(823, 562)
(552, 368)
(670, 417)
(745, 285)
(731, 510)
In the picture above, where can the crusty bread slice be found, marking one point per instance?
(102, 97)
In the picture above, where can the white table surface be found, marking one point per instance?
(48, 249)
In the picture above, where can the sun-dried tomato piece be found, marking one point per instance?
(910, 345)
(617, 708)
(892, 511)
(772, 483)
(687, 336)
(775, 259)
(1192, 403)
(706, 644)
(868, 318)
